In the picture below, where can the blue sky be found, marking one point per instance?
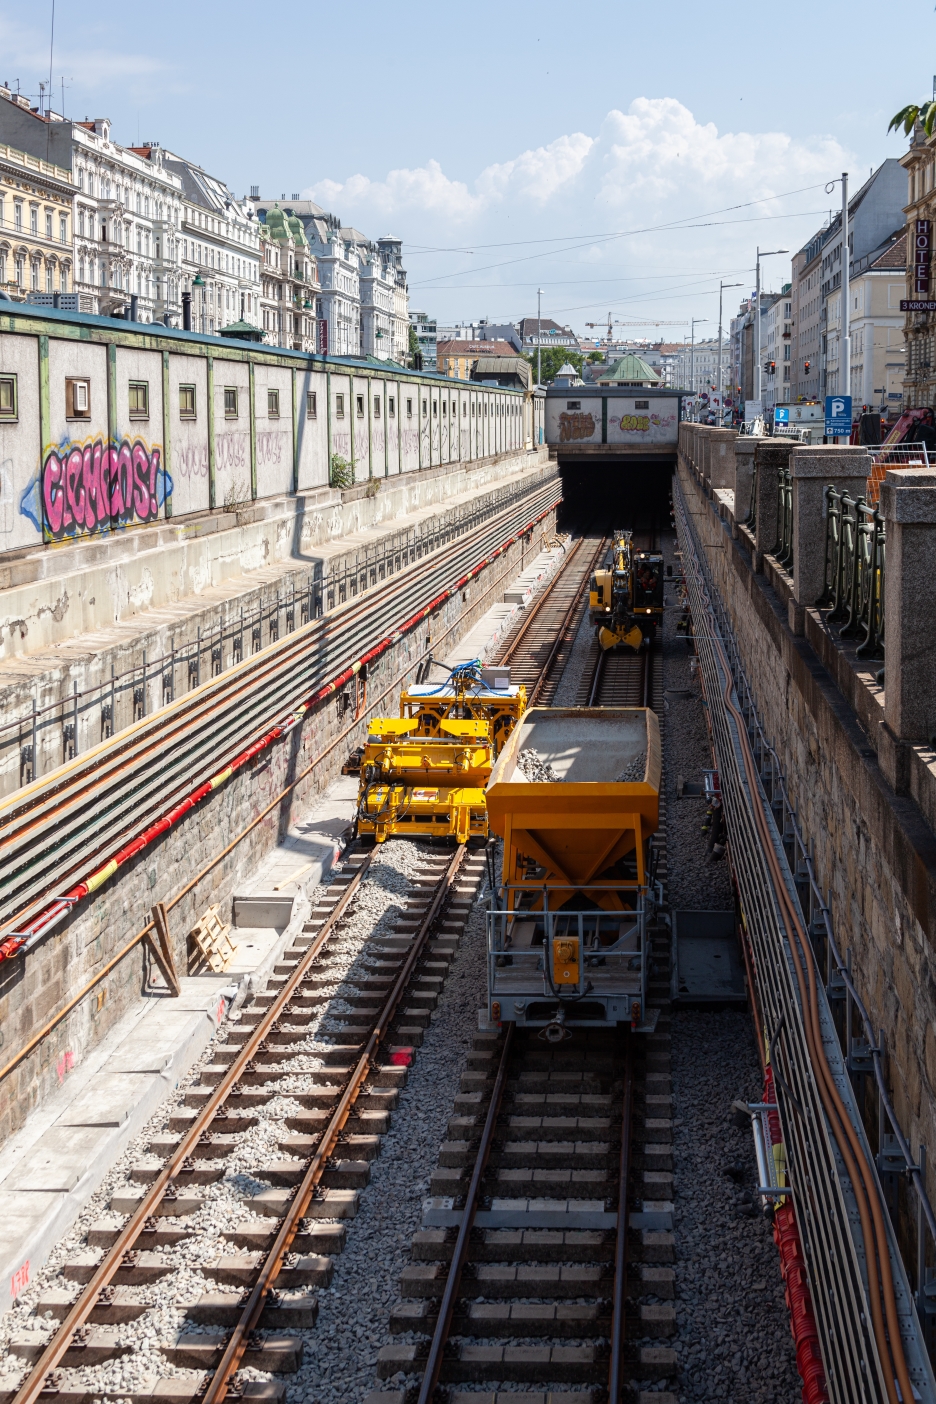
(512, 147)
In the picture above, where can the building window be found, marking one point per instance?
(273, 404)
(311, 411)
(49, 275)
(464, 409)
(186, 401)
(34, 221)
(139, 399)
(435, 409)
(77, 399)
(18, 214)
(230, 401)
(376, 406)
(7, 397)
(573, 404)
(641, 404)
(425, 408)
(339, 406)
(409, 408)
(359, 400)
(63, 230)
(391, 407)
(34, 277)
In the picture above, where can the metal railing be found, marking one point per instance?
(751, 518)
(824, 1198)
(49, 735)
(853, 582)
(783, 547)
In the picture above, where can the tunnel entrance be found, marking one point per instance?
(629, 493)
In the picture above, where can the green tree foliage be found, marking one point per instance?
(594, 357)
(908, 116)
(553, 358)
(415, 355)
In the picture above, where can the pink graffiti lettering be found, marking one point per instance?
(191, 461)
(98, 487)
(270, 447)
(64, 1065)
(19, 1279)
(231, 451)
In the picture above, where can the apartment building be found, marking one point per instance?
(289, 283)
(36, 209)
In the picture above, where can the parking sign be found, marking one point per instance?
(781, 414)
(838, 415)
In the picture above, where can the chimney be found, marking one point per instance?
(255, 192)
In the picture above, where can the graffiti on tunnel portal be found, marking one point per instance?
(96, 486)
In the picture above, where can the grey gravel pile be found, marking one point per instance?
(634, 770)
(734, 1338)
(534, 768)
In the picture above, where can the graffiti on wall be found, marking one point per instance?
(190, 461)
(270, 445)
(232, 451)
(577, 425)
(94, 487)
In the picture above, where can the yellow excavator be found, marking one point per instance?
(625, 601)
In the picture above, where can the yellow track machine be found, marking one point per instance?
(625, 602)
(423, 774)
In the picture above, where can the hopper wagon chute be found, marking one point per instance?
(575, 798)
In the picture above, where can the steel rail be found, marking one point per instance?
(331, 628)
(81, 1309)
(210, 719)
(440, 1335)
(250, 1315)
(881, 1291)
(616, 1366)
(50, 795)
(131, 945)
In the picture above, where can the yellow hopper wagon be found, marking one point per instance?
(625, 601)
(575, 797)
(419, 786)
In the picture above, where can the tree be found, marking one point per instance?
(415, 355)
(553, 358)
(594, 357)
(907, 117)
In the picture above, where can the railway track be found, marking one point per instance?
(539, 647)
(64, 826)
(323, 1122)
(543, 1262)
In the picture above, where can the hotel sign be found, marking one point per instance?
(921, 258)
(908, 304)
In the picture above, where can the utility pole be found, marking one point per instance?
(845, 352)
(718, 374)
(539, 335)
(767, 253)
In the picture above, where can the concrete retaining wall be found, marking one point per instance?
(874, 853)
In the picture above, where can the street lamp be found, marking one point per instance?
(766, 253)
(718, 377)
(692, 354)
(539, 335)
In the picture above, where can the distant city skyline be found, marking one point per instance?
(611, 184)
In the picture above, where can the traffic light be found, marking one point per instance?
(806, 367)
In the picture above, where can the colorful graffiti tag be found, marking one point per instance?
(96, 487)
(575, 426)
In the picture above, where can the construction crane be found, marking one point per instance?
(635, 322)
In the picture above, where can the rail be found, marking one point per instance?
(853, 589)
(872, 1345)
(53, 829)
(79, 1313)
(57, 732)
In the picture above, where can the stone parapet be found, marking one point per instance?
(770, 455)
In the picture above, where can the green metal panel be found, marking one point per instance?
(252, 396)
(211, 442)
(45, 419)
(167, 444)
(112, 393)
(328, 423)
(351, 418)
(295, 427)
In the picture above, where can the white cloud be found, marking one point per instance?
(26, 51)
(653, 164)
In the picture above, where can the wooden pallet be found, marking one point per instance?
(211, 941)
